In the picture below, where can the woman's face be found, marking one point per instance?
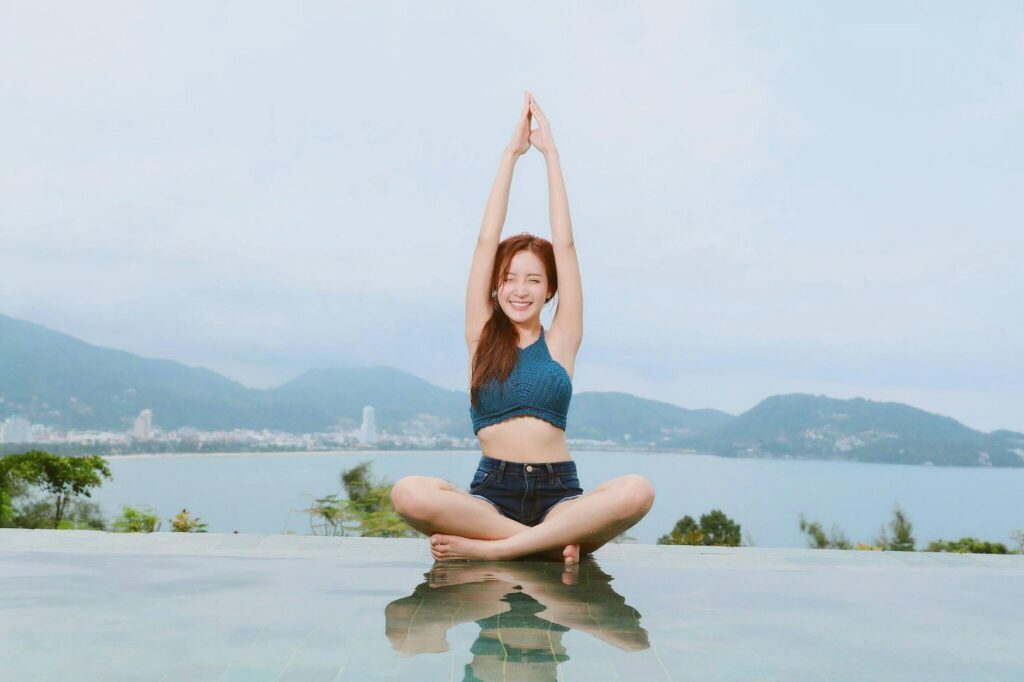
(526, 283)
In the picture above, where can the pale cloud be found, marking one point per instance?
(268, 190)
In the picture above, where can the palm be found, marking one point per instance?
(541, 137)
(520, 143)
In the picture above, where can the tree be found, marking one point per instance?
(817, 539)
(686, 532)
(367, 509)
(715, 528)
(901, 538)
(79, 515)
(719, 529)
(83, 515)
(133, 520)
(63, 476)
(10, 488)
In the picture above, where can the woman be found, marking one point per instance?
(525, 498)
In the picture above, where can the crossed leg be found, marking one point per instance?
(590, 520)
(433, 505)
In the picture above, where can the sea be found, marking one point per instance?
(270, 493)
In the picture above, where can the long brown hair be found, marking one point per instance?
(495, 354)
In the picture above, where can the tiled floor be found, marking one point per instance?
(82, 605)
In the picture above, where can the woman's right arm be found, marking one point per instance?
(479, 305)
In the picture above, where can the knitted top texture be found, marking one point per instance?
(537, 387)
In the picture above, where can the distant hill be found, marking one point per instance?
(625, 418)
(55, 379)
(399, 399)
(817, 427)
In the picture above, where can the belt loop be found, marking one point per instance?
(550, 471)
(501, 471)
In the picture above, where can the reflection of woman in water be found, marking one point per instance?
(525, 497)
(522, 609)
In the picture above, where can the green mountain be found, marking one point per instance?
(52, 378)
(400, 400)
(817, 427)
(55, 379)
(625, 418)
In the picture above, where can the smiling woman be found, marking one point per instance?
(525, 497)
(525, 267)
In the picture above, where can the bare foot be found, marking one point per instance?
(571, 554)
(446, 575)
(444, 547)
(571, 574)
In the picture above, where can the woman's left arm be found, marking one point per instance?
(569, 315)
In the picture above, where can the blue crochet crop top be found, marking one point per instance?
(538, 387)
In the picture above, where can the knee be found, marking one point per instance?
(409, 497)
(638, 495)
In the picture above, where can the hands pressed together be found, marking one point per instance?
(523, 136)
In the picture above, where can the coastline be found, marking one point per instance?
(300, 453)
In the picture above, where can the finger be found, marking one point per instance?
(538, 112)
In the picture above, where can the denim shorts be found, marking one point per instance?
(525, 492)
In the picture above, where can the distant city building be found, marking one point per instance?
(143, 427)
(16, 430)
(368, 431)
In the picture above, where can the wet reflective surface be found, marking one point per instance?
(81, 605)
(523, 610)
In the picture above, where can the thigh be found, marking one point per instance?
(611, 485)
(436, 492)
(443, 507)
(603, 487)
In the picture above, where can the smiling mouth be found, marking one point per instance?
(519, 306)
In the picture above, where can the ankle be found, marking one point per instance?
(500, 550)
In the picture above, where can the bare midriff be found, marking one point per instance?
(524, 439)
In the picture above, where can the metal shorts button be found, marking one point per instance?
(529, 468)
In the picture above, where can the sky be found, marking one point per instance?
(766, 198)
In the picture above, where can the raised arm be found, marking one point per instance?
(568, 322)
(479, 306)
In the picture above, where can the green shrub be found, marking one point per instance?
(366, 510)
(968, 545)
(184, 523)
(133, 520)
(817, 539)
(715, 528)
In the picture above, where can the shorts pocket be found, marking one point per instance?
(568, 483)
(480, 480)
